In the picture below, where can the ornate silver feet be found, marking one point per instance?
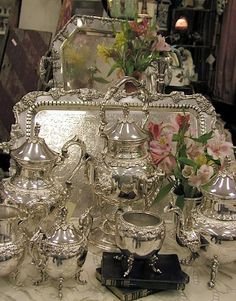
(188, 260)
(78, 279)
(214, 270)
(152, 262)
(42, 278)
(130, 262)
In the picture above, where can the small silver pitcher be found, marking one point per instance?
(61, 252)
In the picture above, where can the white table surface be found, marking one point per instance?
(196, 289)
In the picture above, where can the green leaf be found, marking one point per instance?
(113, 68)
(100, 80)
(203, 138)
(164, 191)
(180, 201)
(187, 161)
(175, 138)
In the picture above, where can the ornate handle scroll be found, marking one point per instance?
(127, 79)
(74, 141)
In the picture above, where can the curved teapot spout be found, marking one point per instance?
(86, 222)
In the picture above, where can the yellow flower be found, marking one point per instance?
(104, 51)
(201, 160)
(120, 40)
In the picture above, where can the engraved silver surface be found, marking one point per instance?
(139, 234)
(64, 114)
(12, 240)
(74, 54)
(61, 251)
(32, 187)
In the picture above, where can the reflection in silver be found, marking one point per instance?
(61, 251)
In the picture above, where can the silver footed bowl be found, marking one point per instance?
(12, 240)
(139, 235)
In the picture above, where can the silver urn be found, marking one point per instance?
(33, 187)
(12, 240)
(125, 176)
(216, 219)
(139, 235)
(61, 252)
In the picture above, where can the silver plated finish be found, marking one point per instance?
(77, 42)
(187, 235)
(33, 187)
(12, 240)
(61, 252)
(125, 175)
(139, 235)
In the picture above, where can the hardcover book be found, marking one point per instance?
(142, 275)
(124, 293)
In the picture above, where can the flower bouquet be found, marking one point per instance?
(189, 163)
(135, 47)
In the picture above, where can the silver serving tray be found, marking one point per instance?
(64, 114)
(76, 45)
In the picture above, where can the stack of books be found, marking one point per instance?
(142, 280)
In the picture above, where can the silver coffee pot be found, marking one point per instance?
(216, 219)
(33, 187)
(125, 176)
(12, 240)
(61, 252)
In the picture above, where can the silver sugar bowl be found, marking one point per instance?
(139, 235)
(61, 252)
(216, 219)
(12, 240)
(33, 187)
(125, 176)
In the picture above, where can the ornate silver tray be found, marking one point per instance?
(74, 53)
(63, 114)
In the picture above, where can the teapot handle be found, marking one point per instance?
(64, 154)
(34, 245)
(127, 79)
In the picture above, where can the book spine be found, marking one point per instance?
(139, 294)
(147, 285)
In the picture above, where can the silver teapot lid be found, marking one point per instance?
(34, 150)
(224, 185)
(126, 130)
(64, 233)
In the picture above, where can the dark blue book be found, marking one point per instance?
(125, 293)
(142, 275)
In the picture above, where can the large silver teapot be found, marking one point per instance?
(12, 240)
(125, 176)
(33, 187)
(126, 173)
(216, 219)
(61, 252)
(139, 235)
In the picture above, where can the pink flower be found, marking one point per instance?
(167, 164)
(193, 150)
(218, 148)
(155, 129)
(203, 176)
(183, 120)
(160, 44)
